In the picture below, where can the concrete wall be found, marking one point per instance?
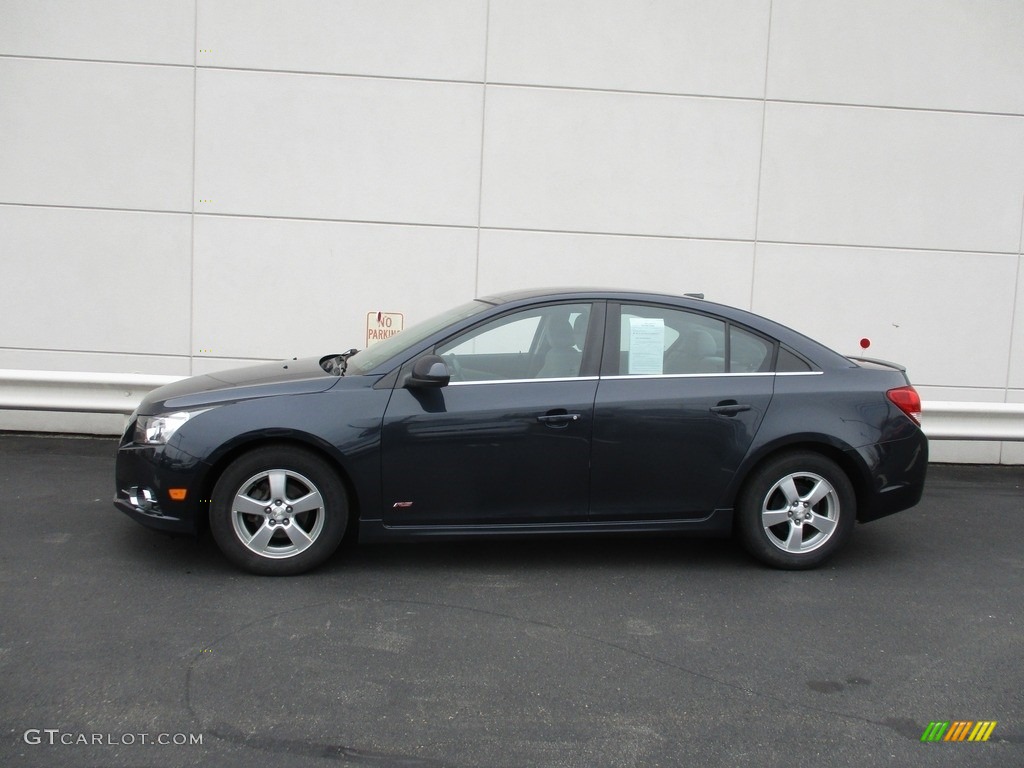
(185, 185)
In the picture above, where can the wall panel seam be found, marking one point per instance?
(537, 86)
(483, 136)
(761, 156)
(529, 230)
(192, 216)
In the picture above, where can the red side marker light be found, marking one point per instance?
(177, 494)
(907, 400)
(865, 343)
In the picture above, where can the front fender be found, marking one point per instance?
(342, 424)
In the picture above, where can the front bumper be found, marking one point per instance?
(143, 476)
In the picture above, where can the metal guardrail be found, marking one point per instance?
(943, 420)
(78, 392)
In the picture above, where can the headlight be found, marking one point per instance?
(157, 430)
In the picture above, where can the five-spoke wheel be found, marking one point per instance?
(277, 513)
(796, 511)
(278, 510)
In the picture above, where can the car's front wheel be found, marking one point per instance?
(278, 511)
(796, 511)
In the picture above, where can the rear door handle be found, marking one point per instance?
(730, 408)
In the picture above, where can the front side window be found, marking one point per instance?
(537, 343)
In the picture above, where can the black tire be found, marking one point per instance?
(796, 511)
(278, 511)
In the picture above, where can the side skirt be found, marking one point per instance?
(718, 523)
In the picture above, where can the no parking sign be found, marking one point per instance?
(382, 325)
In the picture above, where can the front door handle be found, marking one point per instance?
(558, 419)
(730, 408)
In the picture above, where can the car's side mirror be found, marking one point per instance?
(429, 371)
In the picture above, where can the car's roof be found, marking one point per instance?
(597, 292)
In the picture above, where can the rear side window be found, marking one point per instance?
(657, 340)
(661, 340)
(790, 363)
(748, 353)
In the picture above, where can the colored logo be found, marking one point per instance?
(958, 730)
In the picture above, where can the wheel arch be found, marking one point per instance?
(228, 453)
(845, 458)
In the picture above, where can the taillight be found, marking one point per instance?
(907, 400)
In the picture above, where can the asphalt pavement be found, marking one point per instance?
(121, 646)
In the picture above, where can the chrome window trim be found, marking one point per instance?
(627, 377)
(521, 381)
(636, 377)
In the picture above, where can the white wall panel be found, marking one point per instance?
(945, 316)
(440, 39)
(954, 452)
(103, 281)
(1016, 378)
(276, 289)
(851, 176)
(338, 147)
(104, 135)
(99, 362)
(201, 365)
(68, 423)
(943, 54)
(877, 193)
(620, 163)
(667, 46)
(720, 270)
(148, 31)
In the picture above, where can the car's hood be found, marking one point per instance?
(293, 377)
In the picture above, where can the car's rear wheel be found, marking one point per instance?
(796, 511)
(278, 511)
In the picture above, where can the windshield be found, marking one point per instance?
(382, 351)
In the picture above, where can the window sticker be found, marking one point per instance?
(646, 345)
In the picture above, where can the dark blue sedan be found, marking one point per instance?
(534, 413)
